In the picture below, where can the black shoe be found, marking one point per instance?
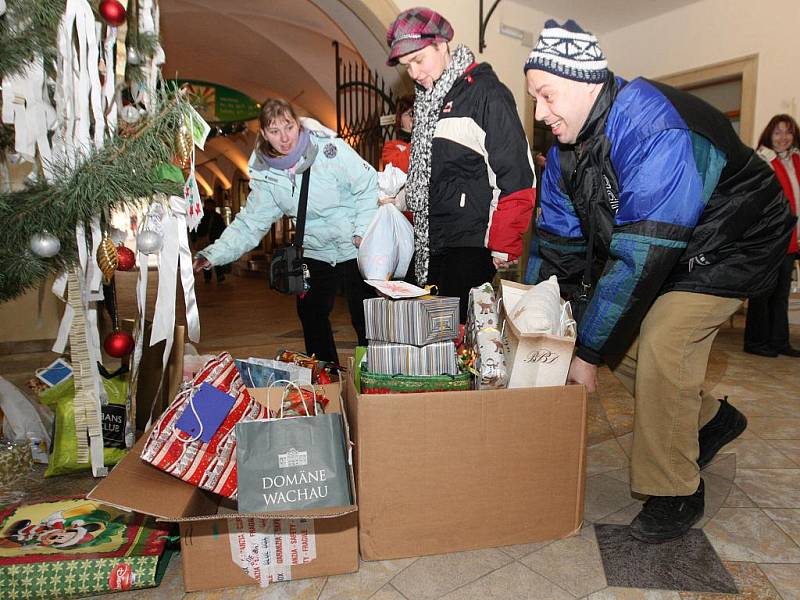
(761, 351)
(726, 426)
(665, 518)
(789, 351)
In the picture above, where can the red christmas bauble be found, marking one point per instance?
(126, 259)
(118, 344)
(112, 12)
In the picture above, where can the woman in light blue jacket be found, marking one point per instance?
(342, 200)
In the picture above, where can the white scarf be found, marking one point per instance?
(427, 107)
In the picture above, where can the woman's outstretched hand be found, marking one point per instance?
(200, 263)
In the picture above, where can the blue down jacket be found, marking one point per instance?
(342, 200)
(677, 203)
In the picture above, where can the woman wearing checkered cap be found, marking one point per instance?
(471, 181)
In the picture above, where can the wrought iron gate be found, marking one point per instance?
(365, 109)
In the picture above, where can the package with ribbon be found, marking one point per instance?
(387, 358)
(292, 463)
(194, 439)
(541, 334)
(417, 321)
(484, 339)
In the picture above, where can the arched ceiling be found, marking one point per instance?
(266, 48)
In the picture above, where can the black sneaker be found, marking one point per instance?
(665, 518)
(726, 426)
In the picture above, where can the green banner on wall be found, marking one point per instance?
(220, 104)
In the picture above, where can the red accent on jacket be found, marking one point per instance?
(783, 177)
(398, 153)
(510, 221)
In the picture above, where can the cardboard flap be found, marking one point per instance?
(137, 486)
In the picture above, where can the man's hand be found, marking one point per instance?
(200, 263)
(499, 263)
(583, 372)
(386, 200)
(357, 240)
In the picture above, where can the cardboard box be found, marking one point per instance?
(204, 519)
(456, 471)
(534, 360)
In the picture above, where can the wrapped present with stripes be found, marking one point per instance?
(418, 321)
(387, 358)
(195, 441)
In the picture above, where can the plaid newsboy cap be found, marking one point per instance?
(415, 28)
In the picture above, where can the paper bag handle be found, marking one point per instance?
(287, 384)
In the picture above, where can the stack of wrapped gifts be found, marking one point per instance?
(411, 345)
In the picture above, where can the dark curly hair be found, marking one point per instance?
(403, 104)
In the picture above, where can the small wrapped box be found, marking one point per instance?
(419, 321)
(438, 358)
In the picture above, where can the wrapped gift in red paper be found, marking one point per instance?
(211, 464)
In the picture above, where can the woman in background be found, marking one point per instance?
(767, 330)
(398, 150)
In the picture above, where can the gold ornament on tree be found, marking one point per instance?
(107, 259)
(183, 146)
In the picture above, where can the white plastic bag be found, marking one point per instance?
(390, 181)
(387, 245)
(539, 309)
(23, 420)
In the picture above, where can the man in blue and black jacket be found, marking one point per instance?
(657, 221)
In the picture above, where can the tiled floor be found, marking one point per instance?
(752, 489)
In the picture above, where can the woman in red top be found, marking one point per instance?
(398, 151)
(767, 330)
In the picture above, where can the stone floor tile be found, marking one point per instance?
(747, 534)
(620, 593)
(573, 563)
(750, 581)
(788, 519)
(512, 582)
(388, 592)
(604, 496)
(775, 428)
(771, 488)
(755, 453)
(623, 475)
(371, 577)
(520, 550)
(724, 465)
(717, 490)
(624, 516)
(688, 563)
(605, 456)
(789, 448)
(626, 441)
(785, 578)
(434, 576)
(737, 499)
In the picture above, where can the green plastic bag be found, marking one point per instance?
(64, 454)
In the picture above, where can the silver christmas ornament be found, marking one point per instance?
(148, 242)
(134, 58)
(45, 244)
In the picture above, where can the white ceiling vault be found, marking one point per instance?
(266, 48)
(603, 16)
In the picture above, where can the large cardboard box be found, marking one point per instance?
(458, 471)
(204, 519)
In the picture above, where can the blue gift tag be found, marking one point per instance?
(211, 407)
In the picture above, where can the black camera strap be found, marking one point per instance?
(300, 228)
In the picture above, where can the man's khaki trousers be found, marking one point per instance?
(664, 370)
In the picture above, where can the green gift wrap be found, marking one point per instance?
(377, 383)
(72, 548)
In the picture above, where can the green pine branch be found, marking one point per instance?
(27, 29)
(122, 173)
